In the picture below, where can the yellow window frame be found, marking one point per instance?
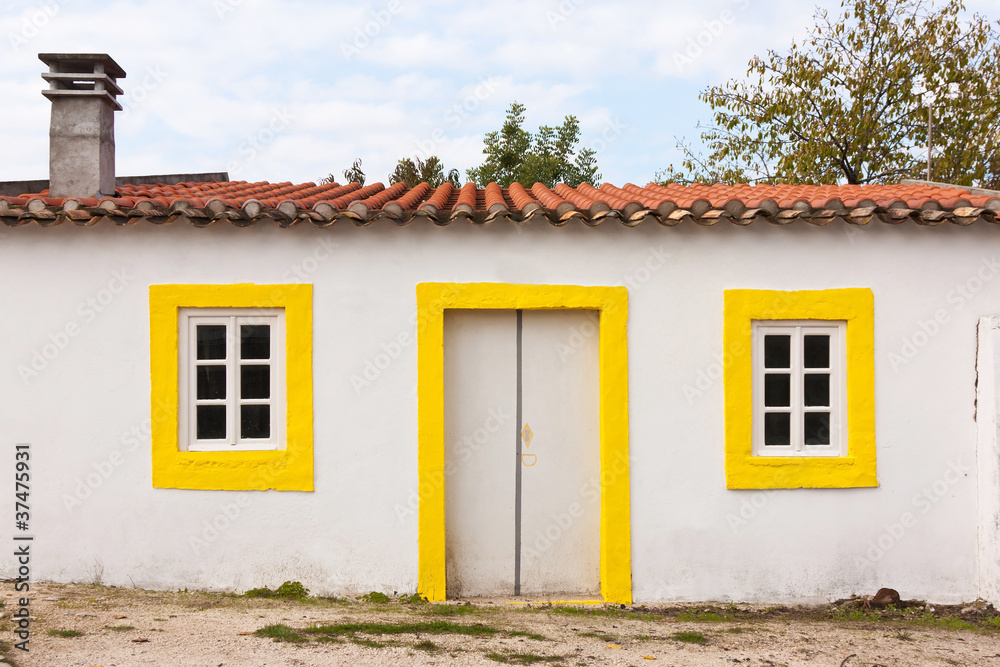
(288, 469)
(857, 468)
(433, 299)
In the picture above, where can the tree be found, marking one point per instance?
(416, 171)
(352, 174)
(550, 156)
(848, 104)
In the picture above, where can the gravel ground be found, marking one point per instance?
(124, 627)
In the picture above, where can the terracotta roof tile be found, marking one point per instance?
(243, 203)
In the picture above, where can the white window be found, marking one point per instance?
(799, 388)
(232, 379)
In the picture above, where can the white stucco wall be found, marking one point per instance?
(86, 411)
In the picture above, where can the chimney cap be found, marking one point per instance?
(69, 62)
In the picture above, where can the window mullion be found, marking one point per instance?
(797, 401)
(232, 370)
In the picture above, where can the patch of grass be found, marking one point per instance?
(701, 617)
(121, 628)
(370, 643)
(606, 612)
(526, 635)
(64, 633)
(280, 633)
(452, 609)
(903, 635)
(427, 645)
(426, 628)
(159, 620)
(930, 620)
(604, 637)
(413, 599)
(376, 597)
(690, 637)
(523, 658)
(736, 630)
(290, 590)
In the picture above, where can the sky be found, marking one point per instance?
(294, 91)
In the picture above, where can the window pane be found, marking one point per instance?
(212, 341)
(816, 351)
(777, 428)
(255, 382)
(817, 389)
(255, 341)
(777, 351)
(211, 382)
(211, 422)
(255, 421)
(777, 390)
(817, 428)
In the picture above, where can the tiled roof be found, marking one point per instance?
(242, 203)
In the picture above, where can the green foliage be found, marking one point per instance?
(847, 104)
(690, 637)
(416, 171)
(280, 633)
(549, 156)
(64, 633)
(290, 590)
(413, 599)
(426, 628)
(376, 597)
(352, 174)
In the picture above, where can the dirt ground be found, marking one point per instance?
(88, 626)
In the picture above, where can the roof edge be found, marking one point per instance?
(15, 188)
(968, 188)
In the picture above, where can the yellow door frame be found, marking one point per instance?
(433, 299)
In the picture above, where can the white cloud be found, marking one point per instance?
(205, 77)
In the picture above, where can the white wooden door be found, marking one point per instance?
(522, 512)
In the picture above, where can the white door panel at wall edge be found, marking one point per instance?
(554, 547)
(988, 458)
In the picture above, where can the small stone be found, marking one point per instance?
(885, 596)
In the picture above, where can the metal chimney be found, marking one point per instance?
(83, 89)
